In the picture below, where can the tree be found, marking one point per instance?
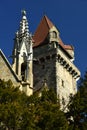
(18, 111)
(13, 105)
(48, 115)
(77, 114)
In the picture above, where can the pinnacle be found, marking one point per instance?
(23, 29)
(23, 12)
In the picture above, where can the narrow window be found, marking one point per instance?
(62, 82)
(54, 34)
(23, 70)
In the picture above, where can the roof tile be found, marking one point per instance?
(42, 32)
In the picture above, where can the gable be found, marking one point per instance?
(23, 48)
(6, 71)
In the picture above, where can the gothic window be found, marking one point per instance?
(23, 70)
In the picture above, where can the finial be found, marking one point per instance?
(23, 12)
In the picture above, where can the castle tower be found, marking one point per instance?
(23, 55)
(53, 62)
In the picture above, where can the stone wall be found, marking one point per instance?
(66, 76)
(6, 73)
(44, 67)
(54, 67)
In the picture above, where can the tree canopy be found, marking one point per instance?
(21, 112)
(77, 107)
(18, 111)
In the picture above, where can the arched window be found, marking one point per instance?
(53, 34)
(23, 71)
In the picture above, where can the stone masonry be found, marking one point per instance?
(41, 60)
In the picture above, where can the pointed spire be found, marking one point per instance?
(22, 34)
(23, 29)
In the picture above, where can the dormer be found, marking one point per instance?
(53, 35)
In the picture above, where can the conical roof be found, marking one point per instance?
(42, 32)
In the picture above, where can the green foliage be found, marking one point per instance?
(18, 111)
(49, 96)
(77, 114)
(12, 106)
(48, 115)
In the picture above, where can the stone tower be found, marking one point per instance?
(53, 62)
(49, 63)
(23, 56)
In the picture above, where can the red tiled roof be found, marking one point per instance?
(42, 32)
(66, 47)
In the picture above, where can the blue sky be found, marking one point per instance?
(69, 16)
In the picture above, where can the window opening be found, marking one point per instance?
(54, 34)
(62, 83)
(23, 70)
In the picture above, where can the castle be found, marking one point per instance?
(41, 60)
